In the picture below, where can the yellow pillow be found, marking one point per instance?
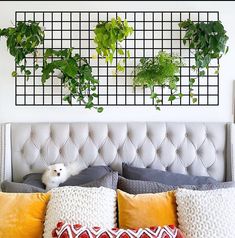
(22, 214)
(146, 210)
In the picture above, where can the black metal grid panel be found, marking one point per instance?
(153, 31)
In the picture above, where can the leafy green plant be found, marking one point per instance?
(22, 40)
(108, 37)
(159, 71)
(208, 40)
(76, 76)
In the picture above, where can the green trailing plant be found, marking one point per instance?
(108, 37)
(76, 76)
(208, 41)
(22, 40)
(159, 71)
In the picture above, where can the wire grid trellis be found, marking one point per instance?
(153, 32)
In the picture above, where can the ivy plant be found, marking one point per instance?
(22, 40)
(159, 71)
(208, 40)
(76, 76)
(108, 38)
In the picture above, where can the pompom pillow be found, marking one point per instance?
(88, 206)
(206, 213)
(64, 230)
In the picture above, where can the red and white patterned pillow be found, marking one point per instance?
(65, 230)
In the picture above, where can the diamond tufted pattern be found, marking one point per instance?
(187, 148)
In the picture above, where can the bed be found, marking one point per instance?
(204, 149)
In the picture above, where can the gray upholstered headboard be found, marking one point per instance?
(188, 148)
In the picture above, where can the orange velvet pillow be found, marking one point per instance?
(146, 210)
(22, 214)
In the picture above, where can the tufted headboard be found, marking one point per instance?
(188, 148)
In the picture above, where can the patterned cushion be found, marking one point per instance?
(64, 230)
(88, 206)
(139, 186)
(206, 213)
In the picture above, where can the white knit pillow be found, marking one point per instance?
(206, 213)
(86, 206)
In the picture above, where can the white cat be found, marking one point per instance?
(58, 173)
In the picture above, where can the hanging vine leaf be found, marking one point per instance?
(159, 71)
(22, 40)
(108, 37)
(76, 76)
(208, 40)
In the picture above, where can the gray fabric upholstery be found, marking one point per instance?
(13, 187)
(34, 179)
(109, 180)
(87, 175)
(165, 177)
(187, 148)
(138, 186)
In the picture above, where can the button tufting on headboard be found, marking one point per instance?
(188, 148)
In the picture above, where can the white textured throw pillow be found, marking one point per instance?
(86, 206)
(206, 213)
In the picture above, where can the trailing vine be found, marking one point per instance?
(108, 37)
(208, 40)
(159, 71)
(22, 40)
(76, 76)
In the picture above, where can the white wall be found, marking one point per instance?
(11, 113)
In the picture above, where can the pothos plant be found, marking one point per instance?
(76, 75)
(108, 37)
(22, 40)
(159, 71)
(208, 41)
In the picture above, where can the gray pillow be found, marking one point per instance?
(87, 175)
(147, 174)
(12, 187)
(109, 181)
(138, 186)
(34, 179)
